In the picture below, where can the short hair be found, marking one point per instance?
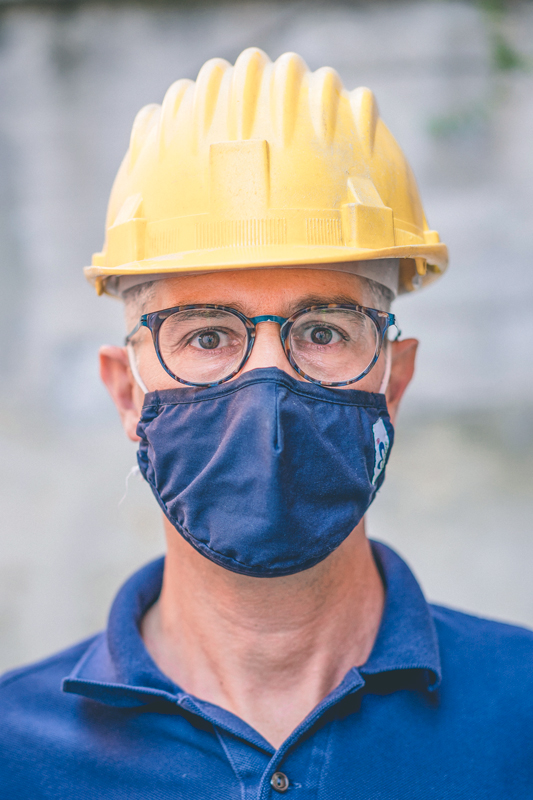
(381, 296)
(136, 299)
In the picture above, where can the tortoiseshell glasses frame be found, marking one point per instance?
(381, 320)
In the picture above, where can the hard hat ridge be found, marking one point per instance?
(288, 74)
(264, 164)
(366, 115)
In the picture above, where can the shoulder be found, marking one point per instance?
(32, 703)
(486, 653)
(478, 632)
(43, 675)
(39, 726)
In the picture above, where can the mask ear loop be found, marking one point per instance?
(388, 366)
(133, 471)
(134, 369)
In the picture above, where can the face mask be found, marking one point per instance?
(265, 475)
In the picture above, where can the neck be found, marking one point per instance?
(251, 645)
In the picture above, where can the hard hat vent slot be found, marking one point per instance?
(161, 242)
(323, 231)
(241, 233)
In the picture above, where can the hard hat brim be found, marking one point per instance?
(425, 262)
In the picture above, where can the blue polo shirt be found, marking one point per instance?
(442, 710)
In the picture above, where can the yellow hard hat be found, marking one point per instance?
(264, 164)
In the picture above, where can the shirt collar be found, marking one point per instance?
(118, 670)
(407, 637)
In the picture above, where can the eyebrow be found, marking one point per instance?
(321, 300)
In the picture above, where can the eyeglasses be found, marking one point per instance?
(205, 345)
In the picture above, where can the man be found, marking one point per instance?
(259, 227)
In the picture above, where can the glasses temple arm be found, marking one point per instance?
(132, 333)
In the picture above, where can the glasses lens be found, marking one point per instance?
(333, 345)
(202, 345)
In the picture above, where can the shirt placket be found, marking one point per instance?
(297, 766)
(300, 772)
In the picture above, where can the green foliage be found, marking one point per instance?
(504, 58)
(445, 126)
(504, 55)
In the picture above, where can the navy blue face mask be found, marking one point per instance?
(265, 475)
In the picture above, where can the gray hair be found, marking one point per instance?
(136, 300)
(381, 297)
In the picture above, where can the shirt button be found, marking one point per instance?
(279, 782)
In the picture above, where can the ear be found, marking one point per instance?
(116, 374)
(403, 355)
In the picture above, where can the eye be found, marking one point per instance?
(210, 340)
(322, 335)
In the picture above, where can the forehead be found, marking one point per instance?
(259, 290)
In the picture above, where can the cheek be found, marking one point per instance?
(373, 381)
(150, 369)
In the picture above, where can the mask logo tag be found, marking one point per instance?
(381, 444)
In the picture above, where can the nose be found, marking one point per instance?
(268, 350)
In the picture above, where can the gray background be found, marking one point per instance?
(454, 83)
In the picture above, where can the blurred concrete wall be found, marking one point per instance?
(455, 85)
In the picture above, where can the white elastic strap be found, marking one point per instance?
(134, 370)
(133, 471)
(388, 365)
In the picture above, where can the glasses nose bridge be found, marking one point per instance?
(269, 353)
(268, 318)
